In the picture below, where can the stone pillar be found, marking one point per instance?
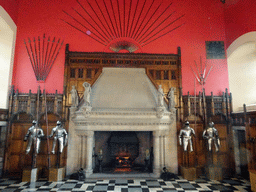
(156, 147)
(90, 136)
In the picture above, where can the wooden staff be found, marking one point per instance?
(155, 20)
(145, 23)
(108, 36)
(138, 18)
(110, 19)
(144, 42)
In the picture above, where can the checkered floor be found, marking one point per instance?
(127, 185)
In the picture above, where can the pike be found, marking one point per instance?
(156, 21)
(124, 18)
(54, 58)
(158, 25)
(133, 17)
(112, 34)
(138, 35)
(36, 58)
(39, 61)
(43, 51)
(45, 74)
(91, 18)
(29, 41)
(110, 18)
(144, 18)
(102, 38)
(114, 17)
(84, 33)
(138, 18)
(46, 53)
(33, 66)
(50, 52)
(120, 23)
(163, 29)
(128, 18)
(108, 37)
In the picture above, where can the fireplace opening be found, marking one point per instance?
(123, 151)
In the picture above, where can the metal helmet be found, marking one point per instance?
(34, 122)
(186, 123)
(211, 124)
(58, 123)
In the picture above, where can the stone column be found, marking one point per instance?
(156, 147)
(89, 170)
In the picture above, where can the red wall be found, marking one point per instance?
(204, 21)
(240, 18)
(11, 7)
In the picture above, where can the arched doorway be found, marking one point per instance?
(242, 69)
(8, 31)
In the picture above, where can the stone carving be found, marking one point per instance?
(211, 135)
(171, 98)
(160, 96)
(74, 97)
(34, 135)
(185, 136)
(60, 134)
(87, 93)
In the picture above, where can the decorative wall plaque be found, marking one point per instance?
(215, 50)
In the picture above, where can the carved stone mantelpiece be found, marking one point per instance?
(114, 108)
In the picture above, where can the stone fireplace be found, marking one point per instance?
(123, 121)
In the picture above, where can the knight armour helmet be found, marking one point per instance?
(34, 122)
(58, 123)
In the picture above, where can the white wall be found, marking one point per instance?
(242, 71)
(8, 31)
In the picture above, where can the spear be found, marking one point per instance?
(33, 66)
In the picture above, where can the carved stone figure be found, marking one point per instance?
(211, 134)
(171, 98)
(60, 134)
(74, 96)
(87, 93)
(185, 136)
(34, 136)
(160, 96)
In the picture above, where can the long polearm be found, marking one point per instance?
(42, 55)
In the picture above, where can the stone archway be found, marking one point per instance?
(242, 67)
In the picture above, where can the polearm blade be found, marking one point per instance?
(207, 74)
(46, 53)
(50, 60)
(50, 53)
(30, 57)
(43, 52)
(103, 43)
(33, 57)
(36, 59)
(195, 75)
(39, 57)
(49, 69)
(199, 75)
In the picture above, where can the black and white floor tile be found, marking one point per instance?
(127, 185)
